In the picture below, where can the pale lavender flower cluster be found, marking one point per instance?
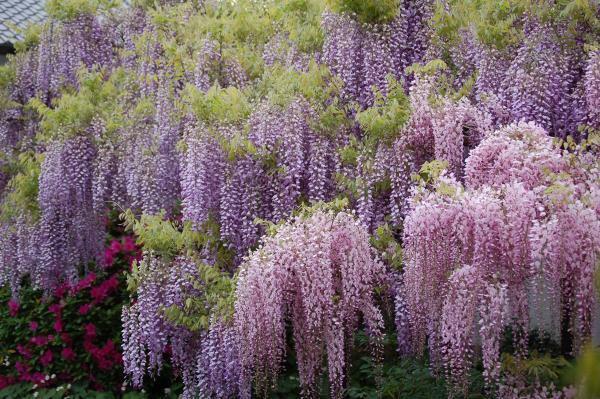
(64, 47)
(206, 360)
(447, 131)
(280, 50)
(363, 55)
(218, 370)
(544, 78)
(291, 161)
(147, 334)
(592, 89)
(520, 152)
(317, 273)
(71, 233)
(475, 255)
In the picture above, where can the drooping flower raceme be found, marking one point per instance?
(521, 152)
(146, 331)
(317, 272)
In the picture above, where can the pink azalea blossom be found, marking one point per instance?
(23, 351)
(41, 340)
(46, 358)
(108, 257)
(6, 380)
(58, 325)
(67, 354)
(86, 282)
(55, 308)
(84, 309)
(129, 244)
(37, 378)
(66, 338)
(90, 330)
(21, 368)
(61, 290)
(115, 246)
(13, 307)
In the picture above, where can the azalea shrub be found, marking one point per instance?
(71, 335)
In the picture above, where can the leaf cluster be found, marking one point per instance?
(64, 10)
(367, 11)
(383, 121)
(71, 114)
(22, 190)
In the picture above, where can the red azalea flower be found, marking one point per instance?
(115, 246)
(61, 290)
(66, 338)
(33, 325)
(23, 351)
(108, 257)
(86, 282)
(67, 354)
(129, 244)
(46, 358)
(58, 325)
(90, 330)
(6, 380)
(13, 308)
(55, 308)
(41, 340)
(89, 346)
(84, 309)
(21, 368)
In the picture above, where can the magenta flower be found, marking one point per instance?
(108, 257)
(84, 309)
(55, 308)
(67, 354)
(46, 358)
(115, 246)
(21, 368)
(58, 325)
(41, 340)
(13, 308)
(102, 291)
(90, 330)
(6, 381)
(37, 377)
(66, 338)
(129, 244)
(86, 282)
(61, 290)
(89, 347)
(33, 325)
(23, 351)
(112, 282)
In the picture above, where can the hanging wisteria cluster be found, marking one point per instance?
(500, 235)
(69, 233)
(220, 120)
(319, 273)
